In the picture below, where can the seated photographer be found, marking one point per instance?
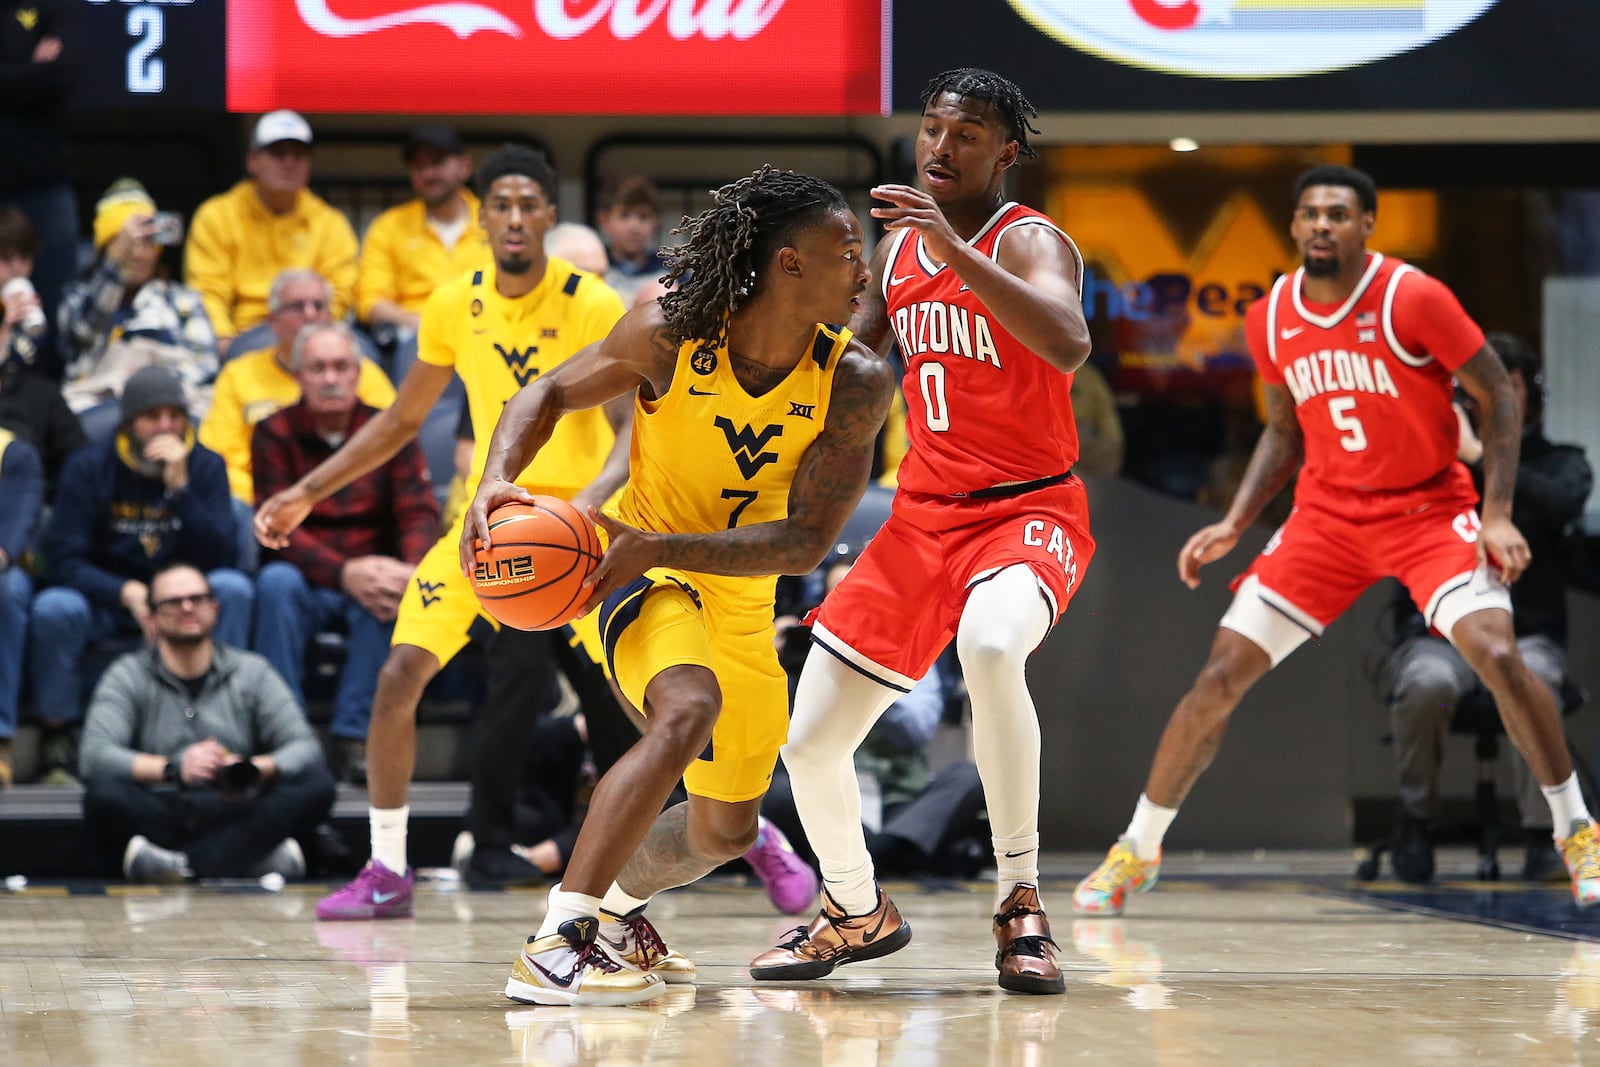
(196, 760)
(128, 312)
(1425, 678)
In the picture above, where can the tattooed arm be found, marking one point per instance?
(636, 353)
(1277, 456)
(832, 476)
(1484, 378)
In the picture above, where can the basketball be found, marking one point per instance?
(531, 578)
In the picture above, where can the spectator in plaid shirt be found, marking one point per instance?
(354, 554)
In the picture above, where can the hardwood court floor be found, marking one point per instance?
(1257, 963)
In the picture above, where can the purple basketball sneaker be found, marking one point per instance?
(791, 884)
(377, 893)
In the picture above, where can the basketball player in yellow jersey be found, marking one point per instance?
(500, 328)
(753, 433)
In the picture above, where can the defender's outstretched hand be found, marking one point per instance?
(915, 209)
(281, 515)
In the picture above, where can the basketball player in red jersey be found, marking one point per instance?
(989, 535)
(1357, 351)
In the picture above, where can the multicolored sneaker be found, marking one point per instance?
(791, 883)
(377, 893)
(1106, 890)
(570, 967)
(832, 939)
(632, 939)
(1025, 951)
(1581, 851)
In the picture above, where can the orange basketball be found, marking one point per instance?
(531, 578)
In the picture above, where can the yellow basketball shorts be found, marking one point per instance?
(667, 619)
(440, 613)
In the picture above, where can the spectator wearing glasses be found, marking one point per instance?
(353, 556)
(147, 497)
(256, 384)
(242, 239)
(197, 761)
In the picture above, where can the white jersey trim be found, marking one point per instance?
(831, 643)
(1272, 318)
(1388, 319)
(1035, 220)
(891, 257)
(927, 262)
(1327, 322)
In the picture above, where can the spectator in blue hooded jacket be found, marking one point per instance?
(127, 507)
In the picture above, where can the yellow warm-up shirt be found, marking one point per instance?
(498, 344)
(236, 247)
(402, 258)
(250, 388)
(708, 456)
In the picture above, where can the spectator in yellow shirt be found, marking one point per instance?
(414, 247)
(256, 384)
(242, 239)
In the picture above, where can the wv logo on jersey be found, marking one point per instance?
(748, 444)
(430, 592)
(517, 362)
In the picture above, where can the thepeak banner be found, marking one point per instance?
(661, 57)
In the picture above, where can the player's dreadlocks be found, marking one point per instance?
(716, 268)
(977, 84)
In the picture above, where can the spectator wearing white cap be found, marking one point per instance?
(241, 239)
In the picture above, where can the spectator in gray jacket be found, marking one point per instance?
(196, 760)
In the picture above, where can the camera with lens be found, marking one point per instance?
(166, 228)
(239, 779)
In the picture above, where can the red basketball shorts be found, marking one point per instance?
(901, 603)
(1336, 544)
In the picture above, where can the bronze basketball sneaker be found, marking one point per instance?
(834, 938)
(1025, 958)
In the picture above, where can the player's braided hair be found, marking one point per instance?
(975, 83)
(716, 268)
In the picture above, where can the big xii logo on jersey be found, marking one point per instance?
(748, 445)
(517, 362)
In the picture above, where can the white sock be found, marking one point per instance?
(1149, 826)
(834, 709)
(618, 903)
(389, 836)
(1016, 860)
(564, 906)
(855, 891)
(1566, 805)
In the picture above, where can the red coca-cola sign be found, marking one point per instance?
(658, 57)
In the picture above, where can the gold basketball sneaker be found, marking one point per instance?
(570, 967)
(632, 939)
